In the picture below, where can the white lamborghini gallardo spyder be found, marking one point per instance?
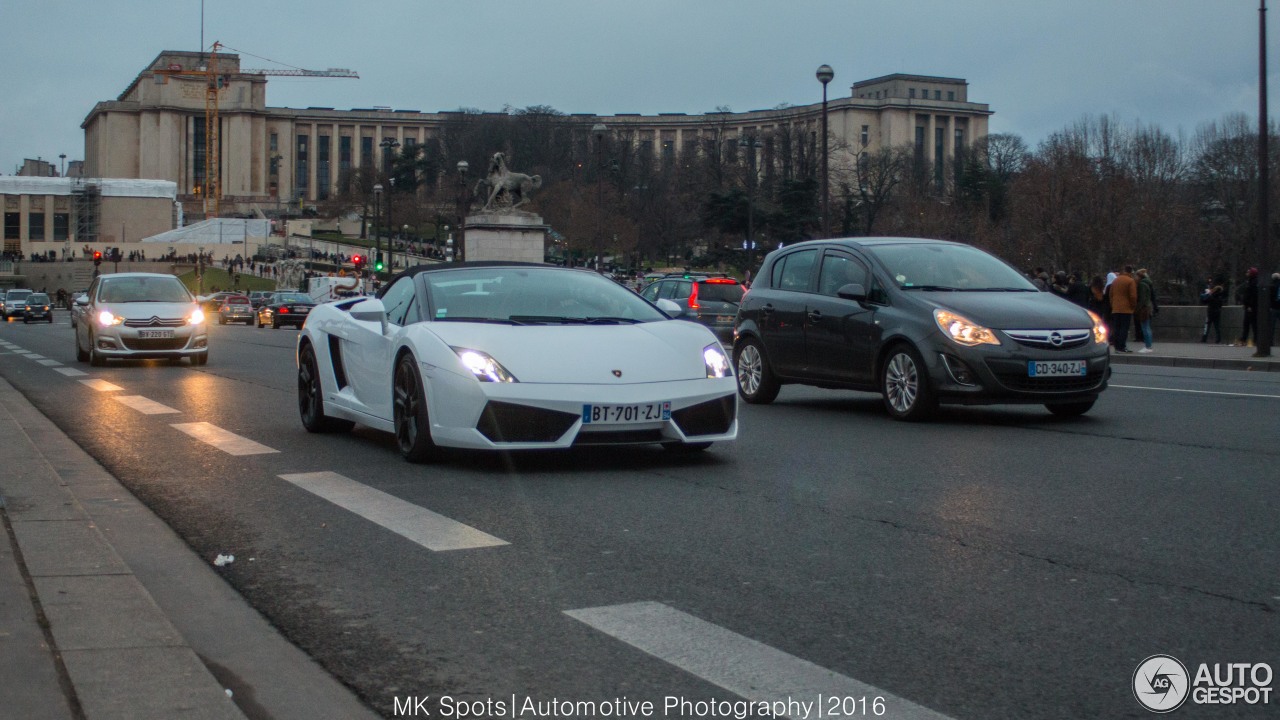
(513, 356)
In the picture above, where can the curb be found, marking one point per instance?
(1258, 365)
(145, 627)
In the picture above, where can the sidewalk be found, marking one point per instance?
(1198, 355)
(105, 613)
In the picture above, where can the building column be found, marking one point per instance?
(949, 142)
(313, 161)
(930, 138)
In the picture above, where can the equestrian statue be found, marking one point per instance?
(510, 189)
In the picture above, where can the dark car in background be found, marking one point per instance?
(258, 297)
(710, 300)
(236, 308)
(37, 307)
(285, 308)
(921, 322)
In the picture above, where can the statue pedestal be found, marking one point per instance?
(512, 235)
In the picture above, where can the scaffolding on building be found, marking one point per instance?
(86, 201)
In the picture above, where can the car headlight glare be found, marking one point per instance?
(107, 319)
(197, 317)
(963, 331)
(1099, 328)
(485, 368)
(716, 361)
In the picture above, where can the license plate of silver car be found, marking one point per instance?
(155, 334)
(1057, 368)
(622, 414)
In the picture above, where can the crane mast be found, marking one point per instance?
(213, 77)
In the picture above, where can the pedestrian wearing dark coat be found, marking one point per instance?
(1249, 299)
(1213, 298)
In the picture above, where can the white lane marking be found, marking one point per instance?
(227, 442)
(49, 362)
(430, 530)
(1197, 392)
(34, 356)
(70, 372)
(738, 664)
(101, 385)
(143, 405)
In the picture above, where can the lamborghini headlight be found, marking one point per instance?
(485, 368)
(106, 319)
(963, 331)
(1099, 329)
(716, 361)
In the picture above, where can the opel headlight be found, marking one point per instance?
(716, 361)
(197, 317)
(107, 319)
(963, 331)
(485, 368)
(1099, 329)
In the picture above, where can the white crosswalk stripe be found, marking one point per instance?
(143, 405)
(224, 440)
(430, 530)
(48, 362)
(745, 667)
(101, 385)
(70, 372)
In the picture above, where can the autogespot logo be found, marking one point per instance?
(1160, 683)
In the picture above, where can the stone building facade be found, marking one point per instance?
(156, 129)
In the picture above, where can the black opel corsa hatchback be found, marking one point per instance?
(921, 322)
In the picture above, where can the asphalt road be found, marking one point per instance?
(996, 563)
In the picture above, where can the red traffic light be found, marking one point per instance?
(357, 260)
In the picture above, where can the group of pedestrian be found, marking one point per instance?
(1125, 300)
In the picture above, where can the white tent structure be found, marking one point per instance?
(216, 231)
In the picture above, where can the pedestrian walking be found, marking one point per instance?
(1275, 304)
(1060, 284)
(1147, 307)
(1249, 299)
(1077, 291)
(1213, 298)
(1124, 303)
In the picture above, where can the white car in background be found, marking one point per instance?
(140, 315)
(513, 356)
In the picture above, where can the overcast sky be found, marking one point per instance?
(1040, 65)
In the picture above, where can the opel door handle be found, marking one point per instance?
(815, 316)
(767, 309)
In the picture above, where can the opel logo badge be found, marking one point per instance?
(617, 373)
(1055, 338)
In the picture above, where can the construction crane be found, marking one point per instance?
(215, 78)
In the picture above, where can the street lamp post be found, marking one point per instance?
(62, 167)
(750, 145)
(464, 205)
(388, 146)
(377, 238)
(598, 130)
(825, 74)
(1262, 337)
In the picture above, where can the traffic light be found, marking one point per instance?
(377, 264)
(97, 257)
(357, 261)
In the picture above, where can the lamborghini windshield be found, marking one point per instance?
(534, 296)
